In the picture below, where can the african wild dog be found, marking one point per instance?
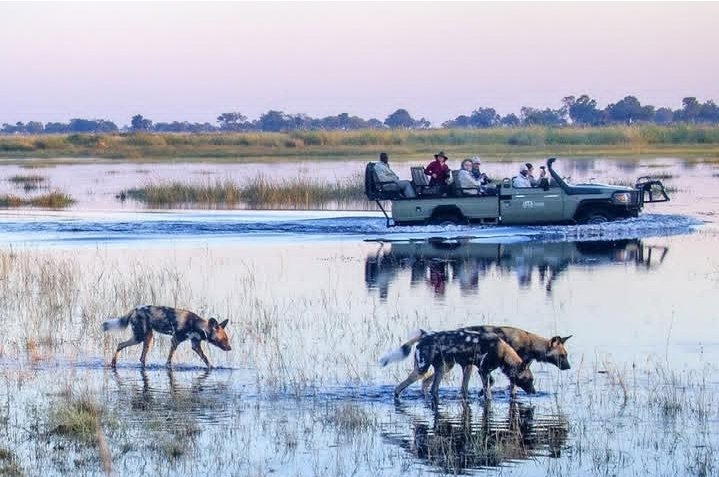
(442, 350)
(529, 346)
(180, 324)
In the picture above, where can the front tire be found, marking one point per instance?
(596, 217)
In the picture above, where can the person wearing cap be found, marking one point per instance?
(522, 180)
(466, 181)
(476, 173)
(385, 174)
(438, 170)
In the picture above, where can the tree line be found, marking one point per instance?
(581, 111)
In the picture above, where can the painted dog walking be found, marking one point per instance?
(180, 324)
(442, 350)
(529, 346)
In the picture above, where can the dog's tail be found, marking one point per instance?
(117, 323)
(403, 351)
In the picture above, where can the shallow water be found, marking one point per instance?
(314, 298)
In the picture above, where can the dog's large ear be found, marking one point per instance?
(555, 341)
(212, 323)
(564, 340)
(224, 323)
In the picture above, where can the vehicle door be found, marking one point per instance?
(530, 205)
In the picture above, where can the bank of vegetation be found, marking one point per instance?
(683, 139)
(51, 200)
(259, 192)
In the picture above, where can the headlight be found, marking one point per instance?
(622, 197)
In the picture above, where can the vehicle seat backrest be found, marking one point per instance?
(455, 187)
(418, 176)
(370, 181)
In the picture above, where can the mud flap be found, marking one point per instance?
(651, 190)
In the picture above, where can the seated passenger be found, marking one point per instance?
(438, 170)
(522, 180)
(530, 175)
(385, 174)
(477, 174)
(466, 182)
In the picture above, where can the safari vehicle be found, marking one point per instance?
(556, 201)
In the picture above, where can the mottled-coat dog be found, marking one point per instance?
(442, 350)
(529, 346)
(180, 324)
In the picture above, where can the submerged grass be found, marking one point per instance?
(51, 200)
(258, 192)
(76, 417)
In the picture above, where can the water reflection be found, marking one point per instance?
(439, 263)
(458, 443)
(174, 400)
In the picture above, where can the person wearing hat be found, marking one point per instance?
(438, 170)
(478, 175)
(522, 180)
(385, 174)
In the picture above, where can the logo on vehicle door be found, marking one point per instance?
(530, 204)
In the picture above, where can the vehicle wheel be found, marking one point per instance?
(596, 217)
(447, 219)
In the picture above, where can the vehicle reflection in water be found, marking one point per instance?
(438, 263)
(454, 444)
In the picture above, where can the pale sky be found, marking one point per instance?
(193, 61)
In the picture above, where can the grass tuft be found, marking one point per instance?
(51, 200)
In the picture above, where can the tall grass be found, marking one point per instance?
(341, 143)
(299, 192)
(51, 200)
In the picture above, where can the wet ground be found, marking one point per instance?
(314, 298)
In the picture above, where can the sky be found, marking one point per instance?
(193, 61)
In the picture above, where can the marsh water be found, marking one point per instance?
(315, 297)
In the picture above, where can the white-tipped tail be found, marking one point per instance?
(114, 324)
(403, 351)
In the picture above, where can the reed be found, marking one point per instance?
(51, 200)
(259, 192)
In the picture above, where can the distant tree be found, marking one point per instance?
(708, 113)
(690, 110)
(140, 123)
(34, 127)
(400, 119)
(375, 123)
(511, 120)
(56, 128)
(583, 110)
(542, 117)
(628, 111)
(274, 121)
(484, 118)
(461, 121)
(663, 116)
(232, 121)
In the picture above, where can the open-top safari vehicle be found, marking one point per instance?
(555, 201)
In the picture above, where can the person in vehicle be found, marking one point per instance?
(385, 174)
(522, 180)
(477, 174)
(530, 175)
(438, 170)
(466, 181)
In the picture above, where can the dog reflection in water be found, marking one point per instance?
(454, 444)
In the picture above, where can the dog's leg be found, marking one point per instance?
(146, 345)
(486, 385)
(121, 346)
(197, 349)
(466, 374)
(173, 347)
(436, 383)
(426, 381)
(413, 376)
